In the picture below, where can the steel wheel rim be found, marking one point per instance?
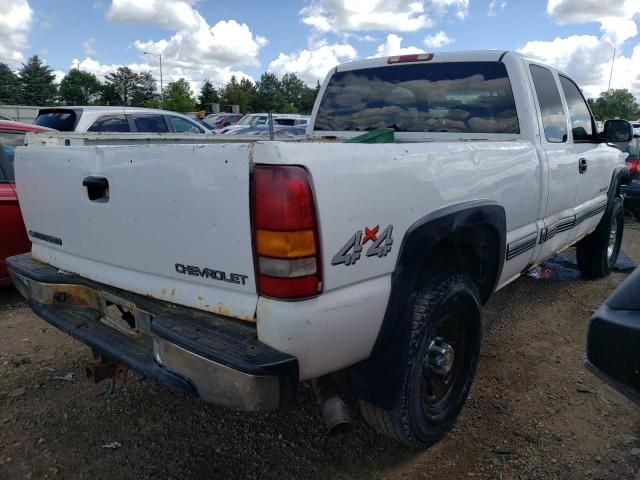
(437, 384)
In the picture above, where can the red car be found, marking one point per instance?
(13, 239)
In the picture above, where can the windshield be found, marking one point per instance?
(461, 97)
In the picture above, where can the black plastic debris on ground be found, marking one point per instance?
(563, 266)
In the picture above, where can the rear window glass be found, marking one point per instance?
(64, 120)
(150, 123)
(461, 97)
(110, 123)
(8, 142)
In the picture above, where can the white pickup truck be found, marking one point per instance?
(235, 269)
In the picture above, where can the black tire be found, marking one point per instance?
(598, 252)
(447, 307)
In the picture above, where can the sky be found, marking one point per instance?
(213, 39)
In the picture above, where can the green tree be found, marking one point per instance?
(208, 94)
(269, 96)
(125, 87)
(178, 96)
(10, 91)
(309, 98)
(293, 90)
(79, 88)
(37, 81)
(238, 93)
(144, 89)
(614, 103)
(119, 87)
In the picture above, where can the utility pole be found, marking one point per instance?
(159, 56)
(80, 63)
(611, 74)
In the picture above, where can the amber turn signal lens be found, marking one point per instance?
(286, 244)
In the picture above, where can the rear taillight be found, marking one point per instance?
(633, 165)
(285, 230)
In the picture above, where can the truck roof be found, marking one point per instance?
(461, 56)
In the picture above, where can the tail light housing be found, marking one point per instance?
(633, 165)
(285, 232)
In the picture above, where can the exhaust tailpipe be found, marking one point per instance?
(334, 411)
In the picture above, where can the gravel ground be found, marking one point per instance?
(534, 412)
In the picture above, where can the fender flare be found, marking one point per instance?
(377, 379)
(620, 176)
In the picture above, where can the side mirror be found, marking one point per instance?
(617, 131)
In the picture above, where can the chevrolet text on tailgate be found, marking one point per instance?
(235, 269)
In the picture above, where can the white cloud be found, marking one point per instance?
(496, 5)
(393, 46)
(195, 50)
(16, 17)
(437, 40)
(60, 74)
(89, 46)
(615, 17)
(173, 14)
(227, 43)
(387, 15)
(459, 7)
(586, 58)
(313, 65)
(217, 76)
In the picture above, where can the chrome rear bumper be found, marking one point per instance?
(215, 357)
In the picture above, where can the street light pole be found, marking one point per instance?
(80, 63)
(159, 56)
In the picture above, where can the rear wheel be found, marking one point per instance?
(598, 252)
(442, 357)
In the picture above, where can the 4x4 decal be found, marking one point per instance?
(381, 244)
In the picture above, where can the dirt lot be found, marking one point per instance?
(533, 411)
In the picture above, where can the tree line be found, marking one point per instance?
(34, 84)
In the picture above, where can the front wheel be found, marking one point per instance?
(441, 362)
(598, 252)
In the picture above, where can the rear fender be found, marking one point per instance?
(378, 379)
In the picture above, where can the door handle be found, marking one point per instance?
(582, 165)
(97, 188)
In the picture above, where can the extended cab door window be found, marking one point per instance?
(554, 122)
(110, 123)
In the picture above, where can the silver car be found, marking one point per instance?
(117, 119)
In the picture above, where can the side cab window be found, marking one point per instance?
(582, 123)
(554, 121)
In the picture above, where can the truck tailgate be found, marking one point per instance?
(168, 221)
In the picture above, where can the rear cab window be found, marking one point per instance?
(8, 142)
(64, 120)
(110, 123)
(460, 97)
(153, 123)
(554, 122)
